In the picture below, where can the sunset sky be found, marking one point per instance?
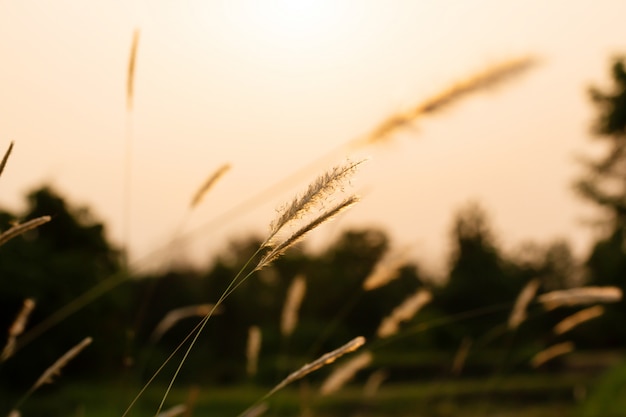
(273, 86)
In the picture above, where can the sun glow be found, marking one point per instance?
(284, 25)
(292, 22)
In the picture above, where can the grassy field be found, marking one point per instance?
(524, 395)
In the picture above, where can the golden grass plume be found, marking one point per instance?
(5, 158)
(386, 270)
(208, 184)
(178, 314)
(323, 360)
(54, 370)
(252, 350)
(551, 353)
(488, 78)
(20, 228)
(299, 234)
(295, 295)
(580, 296)
(17, 328)
(344, 373)
(319, 189)
(405, 311)
(130, 75)
(518, 314)
(575, 319)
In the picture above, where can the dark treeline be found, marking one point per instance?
(62, 260)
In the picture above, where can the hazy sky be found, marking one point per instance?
(275, 87)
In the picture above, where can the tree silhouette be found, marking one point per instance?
(605, 182)
(54, 265)
(605, 185)
(480, 277)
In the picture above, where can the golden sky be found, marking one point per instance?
(272, 86)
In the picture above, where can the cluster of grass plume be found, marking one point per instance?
(311, 204)
(303, 214)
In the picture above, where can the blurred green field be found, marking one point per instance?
(524, 395)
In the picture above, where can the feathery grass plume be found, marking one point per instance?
(208, 184)
(323, 360)
(177, 410)
(295, 295)
(518, 314)
(345, 372)
(280, 249)
(405, 311)
(55, 369)
(580, 296)
(14, 413)
(130, 76)
(17, 328)
(386, 269)
(575, 319)
(373, 383)
(252, 350)
(174, 316)
(551, 353)
(18, 229)
(461, 356)
(478, 82)
(5, 158)
(324, 185)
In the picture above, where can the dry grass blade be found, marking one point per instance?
(299, 234)
(518, 314)
(551, 353)
(346, 372)
(481, 81)
(130, 78)
(575, 319)
(55, 369)
(320, 188)
(405, 311)
(17, 328)
(323, 360)
(580, 296)
(5, 158)
(18, 229)
(178, 314)
(295, 295)
(208, 184)
(252, 350)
